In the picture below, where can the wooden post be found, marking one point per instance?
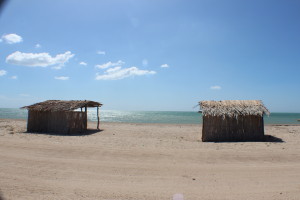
(85, 118)
(98, 118)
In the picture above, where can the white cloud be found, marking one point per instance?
(101, 52)
(38, 46)
(145, 62)
(83, 63)
(58, 67)
(110, 64)
(3, 72)
(38, 59)
(11, 38)
(63, 78)
(112, 70)
(215, 87)
(14, 77)
(164, 66)
(118, 73)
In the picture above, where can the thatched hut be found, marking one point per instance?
(56, 116)
(233, 120)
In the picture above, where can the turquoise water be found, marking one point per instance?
(171, 117)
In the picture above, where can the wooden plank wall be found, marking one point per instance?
(56, 122)
(77, 121)
(243, 128)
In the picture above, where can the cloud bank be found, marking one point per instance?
(38, 59)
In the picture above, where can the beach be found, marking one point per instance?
(147, 161)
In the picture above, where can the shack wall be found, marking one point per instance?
(56, 122)
(242, 128)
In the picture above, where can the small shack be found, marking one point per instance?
(233, 120)
(56, 116)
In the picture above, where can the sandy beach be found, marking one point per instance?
(147, 161)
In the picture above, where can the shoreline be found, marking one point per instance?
(160, 117)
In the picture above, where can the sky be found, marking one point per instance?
(150, 55)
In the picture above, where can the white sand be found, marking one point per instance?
(146, 161)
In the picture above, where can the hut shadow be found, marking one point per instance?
(271, 138)
(267, 138)
(84, 133)
(1, 196)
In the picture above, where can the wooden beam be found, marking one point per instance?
(98, 118)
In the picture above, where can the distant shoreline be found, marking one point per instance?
(153, 117)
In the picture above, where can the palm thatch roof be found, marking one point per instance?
(59, 105)
(233, 108)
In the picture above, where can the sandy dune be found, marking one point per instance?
(147, 161)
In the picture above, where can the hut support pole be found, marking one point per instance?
(85, 117)
(98, 119)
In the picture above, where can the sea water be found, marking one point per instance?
(168, 117)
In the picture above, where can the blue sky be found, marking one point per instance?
(151, 55)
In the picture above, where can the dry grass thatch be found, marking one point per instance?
(59, 105)
(233, 108)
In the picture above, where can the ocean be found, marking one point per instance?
(169, 117)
